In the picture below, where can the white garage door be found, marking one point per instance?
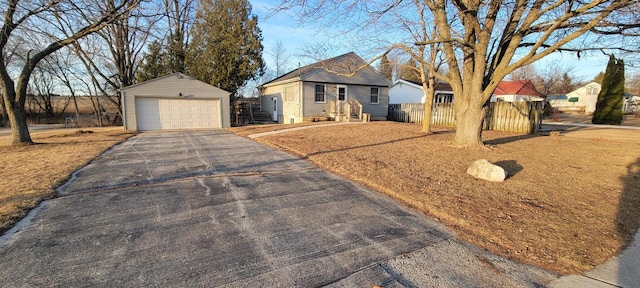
(158, 113)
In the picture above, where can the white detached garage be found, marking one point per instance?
(175, 101)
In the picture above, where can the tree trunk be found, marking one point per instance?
(3, 119)
(98, 109)
(469, 119)
(75, 105)
(429, 90)
(18, 119)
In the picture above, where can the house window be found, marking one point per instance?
(375, 95)
(320, 95)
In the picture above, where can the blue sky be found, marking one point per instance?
(293, 35)
(281, 28)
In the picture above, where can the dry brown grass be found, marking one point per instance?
(570, 202)
(29, 173)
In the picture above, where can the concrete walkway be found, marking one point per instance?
(211, 209)
(256, 135)
(620, 271)
(571, 124)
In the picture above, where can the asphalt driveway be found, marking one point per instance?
(208, 208)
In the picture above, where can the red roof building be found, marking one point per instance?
(516, 91)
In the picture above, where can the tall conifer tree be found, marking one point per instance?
(153, 63)
(226, 48)
(386, 69)
(611, 96)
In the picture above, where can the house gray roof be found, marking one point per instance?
(335, 70)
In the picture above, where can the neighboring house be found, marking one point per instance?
(516, 91)
(582, 99)
(324, 89)
(631, 104)
(405, 91)
(556, 99)
(175, 101)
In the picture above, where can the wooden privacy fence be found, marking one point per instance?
(518, 117)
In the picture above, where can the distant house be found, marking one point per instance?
(341, 88)
(516, 91)
(631, 104)
(556, 99)
(406, 91)
(584, 99)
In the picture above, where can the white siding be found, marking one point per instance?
(587, 97)
(404, 93)
(266, 100)
(291, 104)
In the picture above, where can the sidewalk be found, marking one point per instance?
(620, 271)
(591, 125)
(299, 128)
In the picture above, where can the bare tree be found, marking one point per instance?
(280, 58)
(63, 67)
(41, 92)
(527, 72)
(113, 54)
(56, 22)
(180, 17)
(316, 52)
(484, 41)
(554, 79)
(251, 89)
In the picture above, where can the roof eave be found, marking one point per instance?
(271, 84)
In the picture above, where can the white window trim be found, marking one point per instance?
(346, 92)
(324, 93)
(372, 94)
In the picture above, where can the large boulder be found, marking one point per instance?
(483, 169)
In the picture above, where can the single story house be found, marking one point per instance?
(175, 101)
(406, 91)
(516, 91)
(323, 89)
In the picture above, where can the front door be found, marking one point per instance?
(275, 109)
(342, 100)
(342, 93)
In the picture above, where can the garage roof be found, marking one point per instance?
(196, 82)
